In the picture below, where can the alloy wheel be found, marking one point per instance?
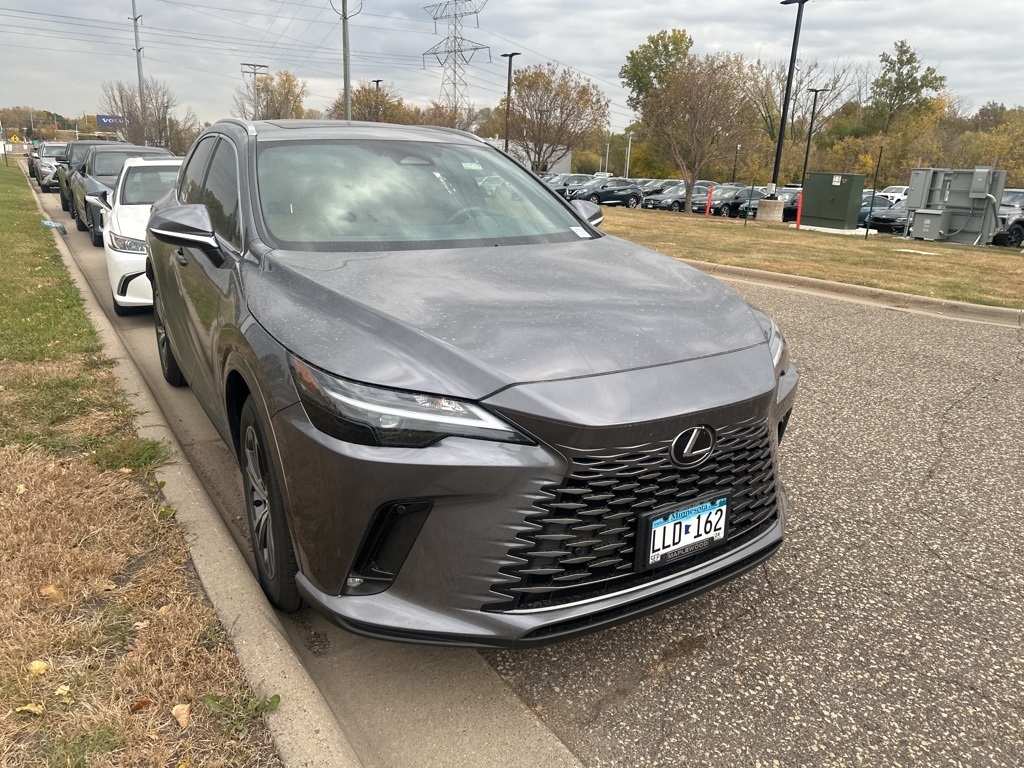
(257, 496)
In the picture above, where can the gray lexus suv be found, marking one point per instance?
(462, 414)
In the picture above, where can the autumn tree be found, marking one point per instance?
(276, 96)
(903, 84)
(552, 112)
(698, 114)
(158, 125)
(650, 63)
(372, 103)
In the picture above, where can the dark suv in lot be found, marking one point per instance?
(70, 163)
(461, 417)
(613, 191)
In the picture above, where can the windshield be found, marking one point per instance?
(1013, 198)
(144, 186)
(52, 150)
(383, 195)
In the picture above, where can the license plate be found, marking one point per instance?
(676, 533)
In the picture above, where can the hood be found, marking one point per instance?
(470, 321)
(130, 220)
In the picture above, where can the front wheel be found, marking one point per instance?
(94, 234)
(64, 206)
(168, 364)
(674, 207)
(594, 199)
(632, 201)
(1015, 236)
(268, 528)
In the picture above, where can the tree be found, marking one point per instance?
(161, 127)
(553, 112)
(277, 96)
(902, 85)
(698, 114)
(373, 104)
(649, 64)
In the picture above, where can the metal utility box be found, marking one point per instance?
(832, 200)
(970, 197)
(930, 225)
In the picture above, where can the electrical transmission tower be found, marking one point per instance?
(455, 51)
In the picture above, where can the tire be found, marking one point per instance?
(674, 207)
(95, 236)
(77, 216)
(64, 202)
(168, 364)
(1015, 236)
(264, 506)
(594, 199)
(632, 201)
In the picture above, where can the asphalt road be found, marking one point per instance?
(887, 631)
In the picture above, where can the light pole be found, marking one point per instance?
(810, 130)
(735, 160)
(785, 101)
(629, 147)
(508, 92)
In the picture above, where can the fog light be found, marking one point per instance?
(352, 582)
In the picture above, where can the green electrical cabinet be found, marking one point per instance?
(832, 200)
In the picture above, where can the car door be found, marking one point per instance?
(206, 278)
(175, 260)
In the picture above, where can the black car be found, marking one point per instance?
(96, 177)
(893, 220)
(458, 417)
(71, 162)
(726, 200)
(609, 191)
(566, 183)
(789, 196)
(673, 198)
(660, 186)
(872, 204)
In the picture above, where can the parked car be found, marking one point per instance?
(69, 163)
(45, 167)
(790, 198)
(658, 186)
(97, 175)
(32, 155)
(895, 193)
(125, 212)
(613, 191)
(726, 200)
(869, 204)
(459, 420)
(672, 199)
(565, 183)
(893, 220)
(1011, 219)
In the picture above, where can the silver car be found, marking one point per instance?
(462, 414)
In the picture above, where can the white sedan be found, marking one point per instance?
(142, 182)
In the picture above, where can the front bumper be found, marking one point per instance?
(458, 582)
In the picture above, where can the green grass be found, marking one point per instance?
(988, 275)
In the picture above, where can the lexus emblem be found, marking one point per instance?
(693, 447)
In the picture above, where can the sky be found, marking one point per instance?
(55, 54)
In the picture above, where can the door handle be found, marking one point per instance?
(181, 257)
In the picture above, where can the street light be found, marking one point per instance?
(735, 160)
(785, 101)
(810, 131)
(629, 146)
(508, 92)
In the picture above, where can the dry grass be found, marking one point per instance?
(980, 275)
(104, 628)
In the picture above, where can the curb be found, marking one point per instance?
(978, 313)
(305, 731)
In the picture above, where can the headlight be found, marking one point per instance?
(126, 244)
(357, 413)
(776, 342)
(45, 165)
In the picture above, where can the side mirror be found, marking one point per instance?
(187, 226)
(98, 199)
(61, 158)
(588, 210)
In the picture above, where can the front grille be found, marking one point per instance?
(584, 544)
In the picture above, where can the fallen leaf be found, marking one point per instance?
(35, 709)
(182, 713)
(164, 609)
(140, 624)
(63, 693)
(185, 764)
(140, 704)
(51, 593)
(109, 586)
(21, 489)
(125, 471)
(37, 667)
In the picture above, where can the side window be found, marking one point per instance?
(192, 176)
(220, 194)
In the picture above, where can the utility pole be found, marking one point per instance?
(377, 83)
(508, 92)
(345, 16)
(138, 62)
(629, 147)
(254, 70)
(455, 51)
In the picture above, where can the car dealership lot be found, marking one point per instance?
(886, 631)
